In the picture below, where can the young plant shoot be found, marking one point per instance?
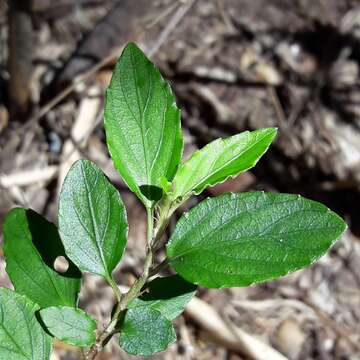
(236, 239)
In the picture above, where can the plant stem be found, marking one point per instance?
(115, 288)
(167, 208)
(159, 267)
(105, 336)
(141, 281)
(150, 226)
(125, 299)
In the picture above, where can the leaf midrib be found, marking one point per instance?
(94, 225)
(224, 199)
(213, 249)
(199, 246)
(141, 111)
(162, 133)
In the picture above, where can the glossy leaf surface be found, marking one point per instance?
(169, 295)
(145, 331)
(21, 335)
(92, 219)
(70, 325)
(240, 239)
(142, 125)
(31, 247)
(221, 159)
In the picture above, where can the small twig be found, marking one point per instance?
(169, 28)
(83, 355)
(69, 89)
(278, 108)
(161, 16)
(175, 19)
(28, 177)
(233, 338)
(226, 19)
(20, 56)
(340, 330)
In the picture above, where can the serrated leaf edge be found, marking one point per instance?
(186, 215)
(183, 167)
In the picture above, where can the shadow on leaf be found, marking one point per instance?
(46, 239)
(166, 288)
(151, 192)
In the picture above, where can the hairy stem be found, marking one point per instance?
(166, 210)
(133, 293)
(155, 270)
(150, 227)
(116, 289)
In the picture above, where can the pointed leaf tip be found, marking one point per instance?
(219, 160)
(142, 124)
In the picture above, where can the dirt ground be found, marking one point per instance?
(233, 65)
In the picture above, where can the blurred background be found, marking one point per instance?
(234, 65)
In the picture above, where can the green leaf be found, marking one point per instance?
(72, 326)
(240, 239)
(169, 295)
(145, 331)
(165, 185)
(21, 335)
(219, 160)
(92, 220)
(142, 125)
(31, 245)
